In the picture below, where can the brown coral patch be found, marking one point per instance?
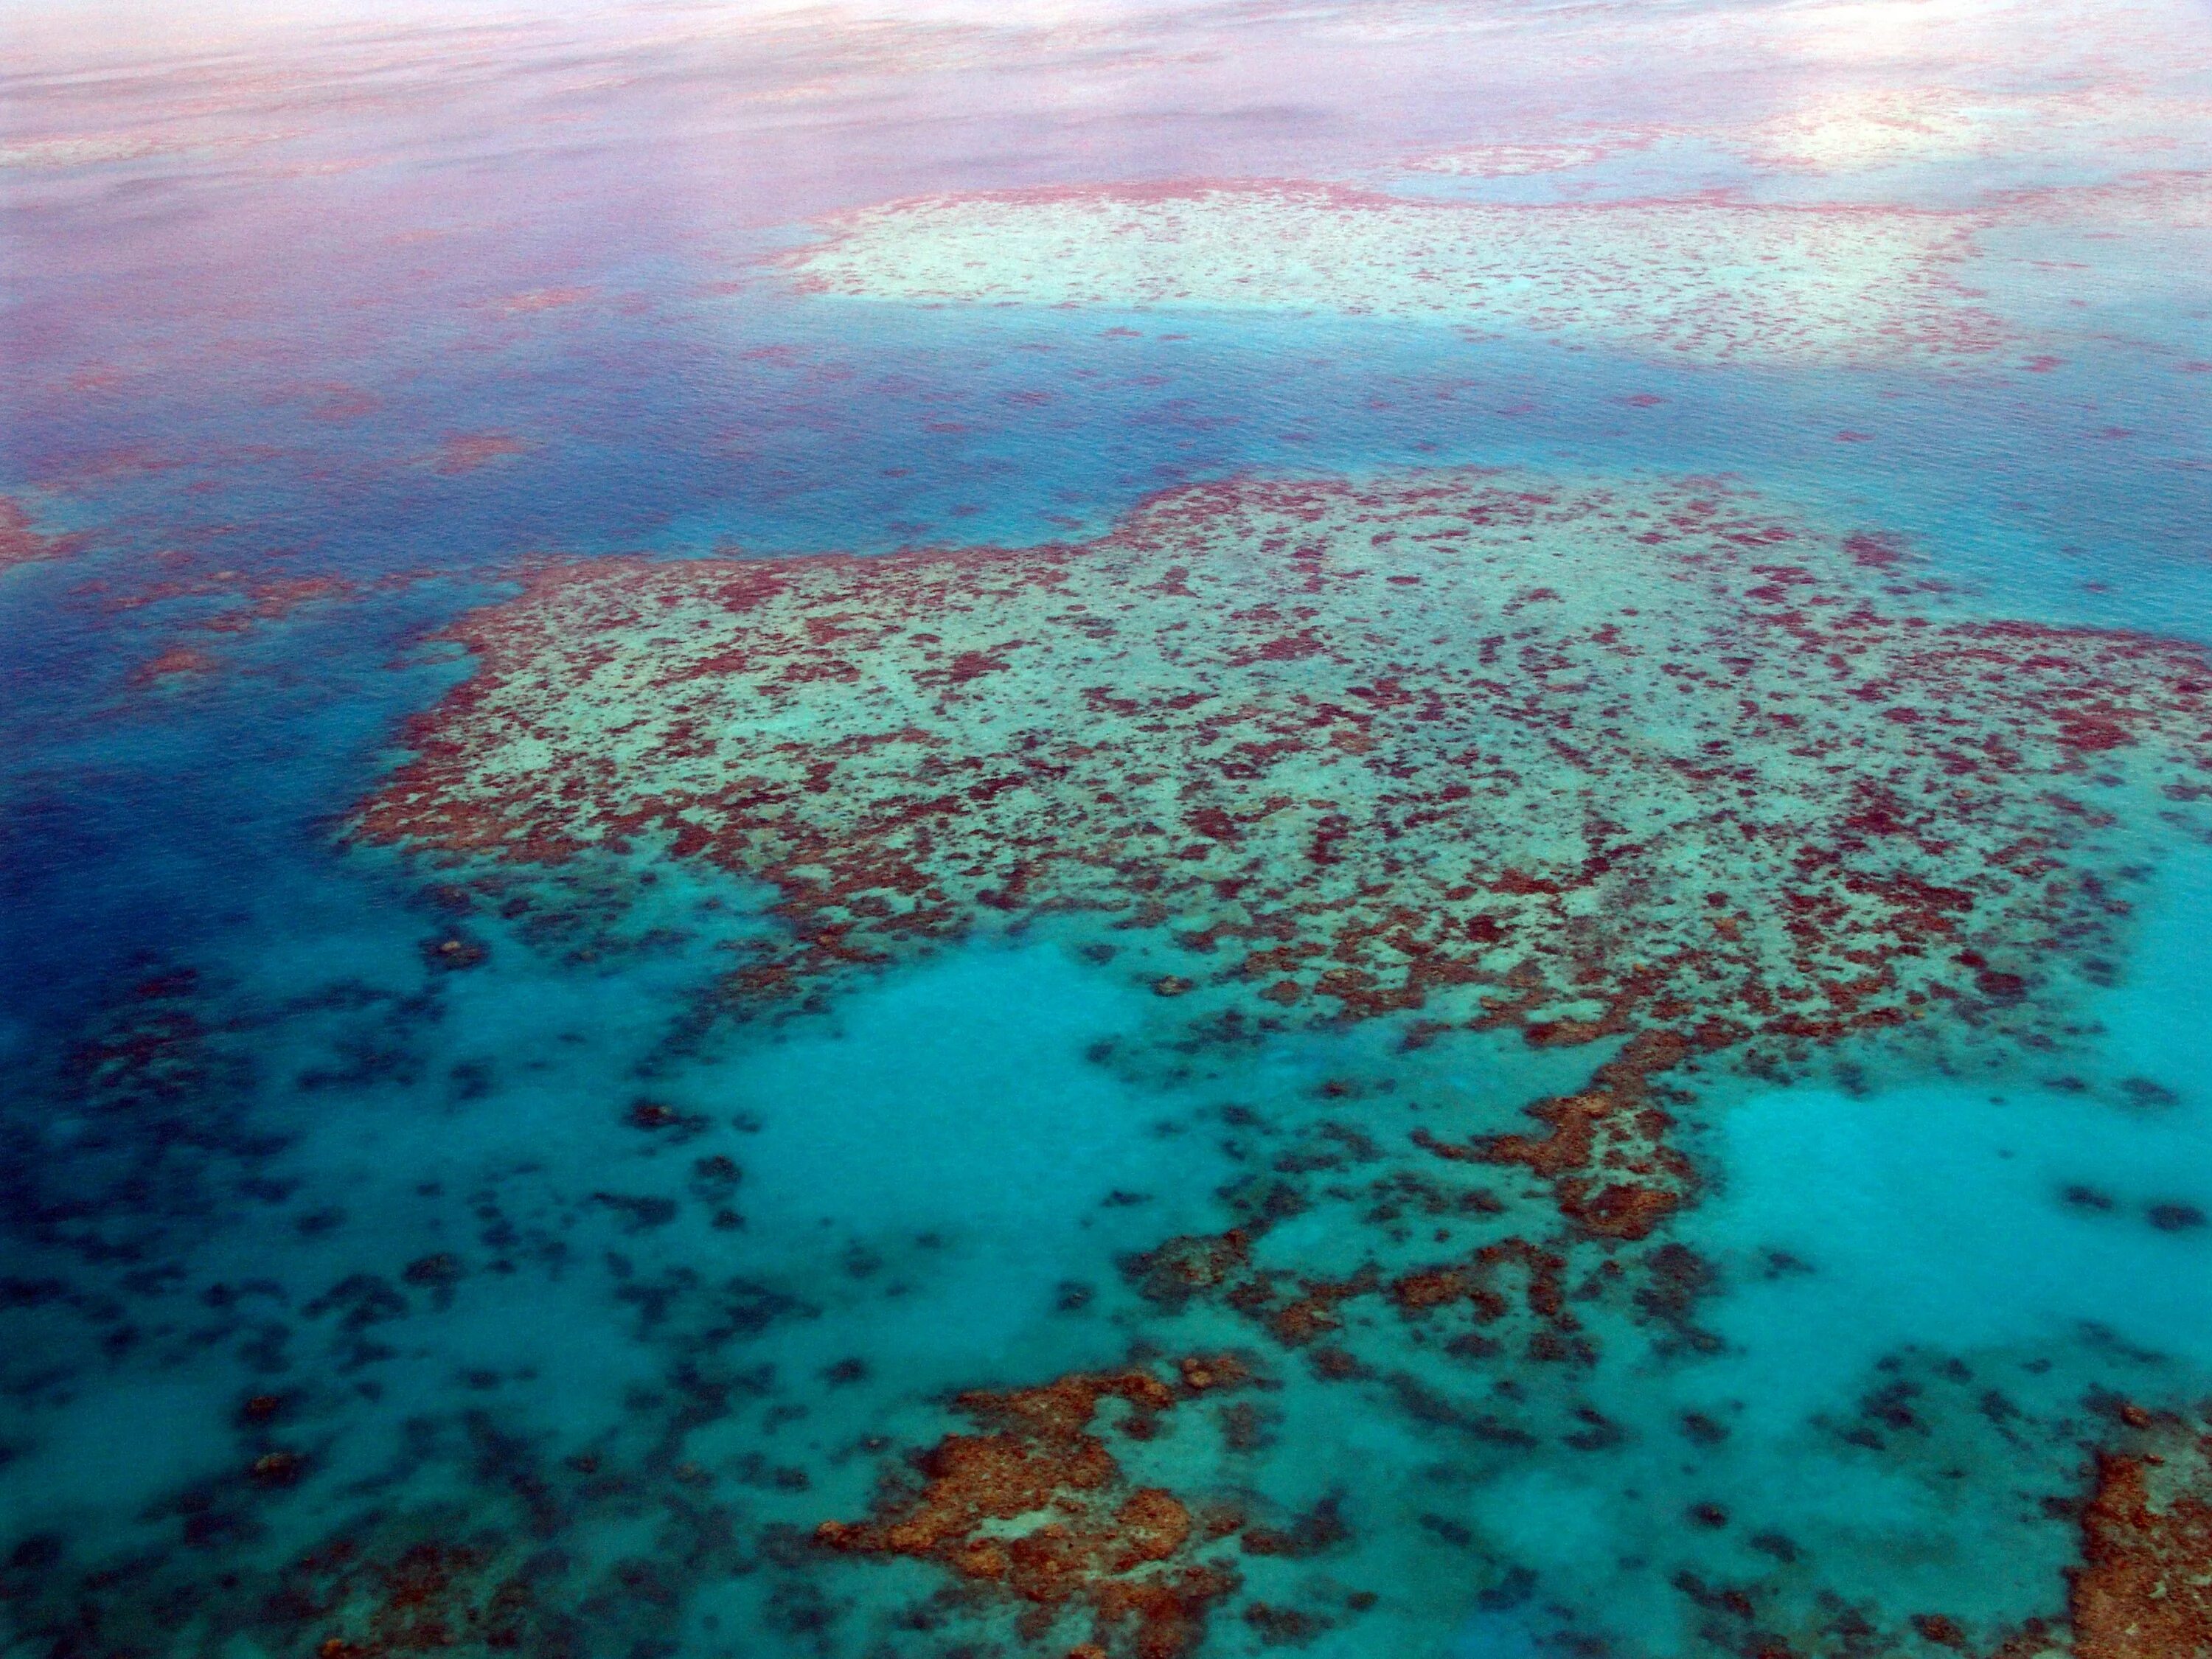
(2146, 1590)
(429, 1598)
(178, 662)
(1604, 1150)
(1037, 1507)
(23, 543)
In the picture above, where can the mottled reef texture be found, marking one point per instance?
(1038, 1508)
(1643, 772)
(23, 543)
(1699, 278)
(1638, 763)
(2147, 1589)
(1704, 279)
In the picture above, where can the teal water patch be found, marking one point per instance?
(1494, 1635)
(2154, 1021)
(956, 1105)
(1978, 1218)
(1927, 1291)
(492, 1187)
(1917, 1329)
(1959, 1218)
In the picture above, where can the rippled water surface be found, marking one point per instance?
(1381, 829)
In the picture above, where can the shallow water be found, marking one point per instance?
(799, 803)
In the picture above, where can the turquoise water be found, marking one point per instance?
(402, 1253)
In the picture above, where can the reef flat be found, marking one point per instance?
(1588, 759)
(1680, 791)
(1699, 281)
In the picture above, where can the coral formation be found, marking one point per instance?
(1698, 279)
(1631, 763)
(2146, 1590)
(1037, 1506)
(1658, 781)
(23, 543)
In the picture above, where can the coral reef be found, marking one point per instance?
(23, 543)
(1698, 279)
(1039, 1508)
(1664, 784)
(2146, 1590)
(1631, 763)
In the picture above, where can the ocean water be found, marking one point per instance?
(1376, 828)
